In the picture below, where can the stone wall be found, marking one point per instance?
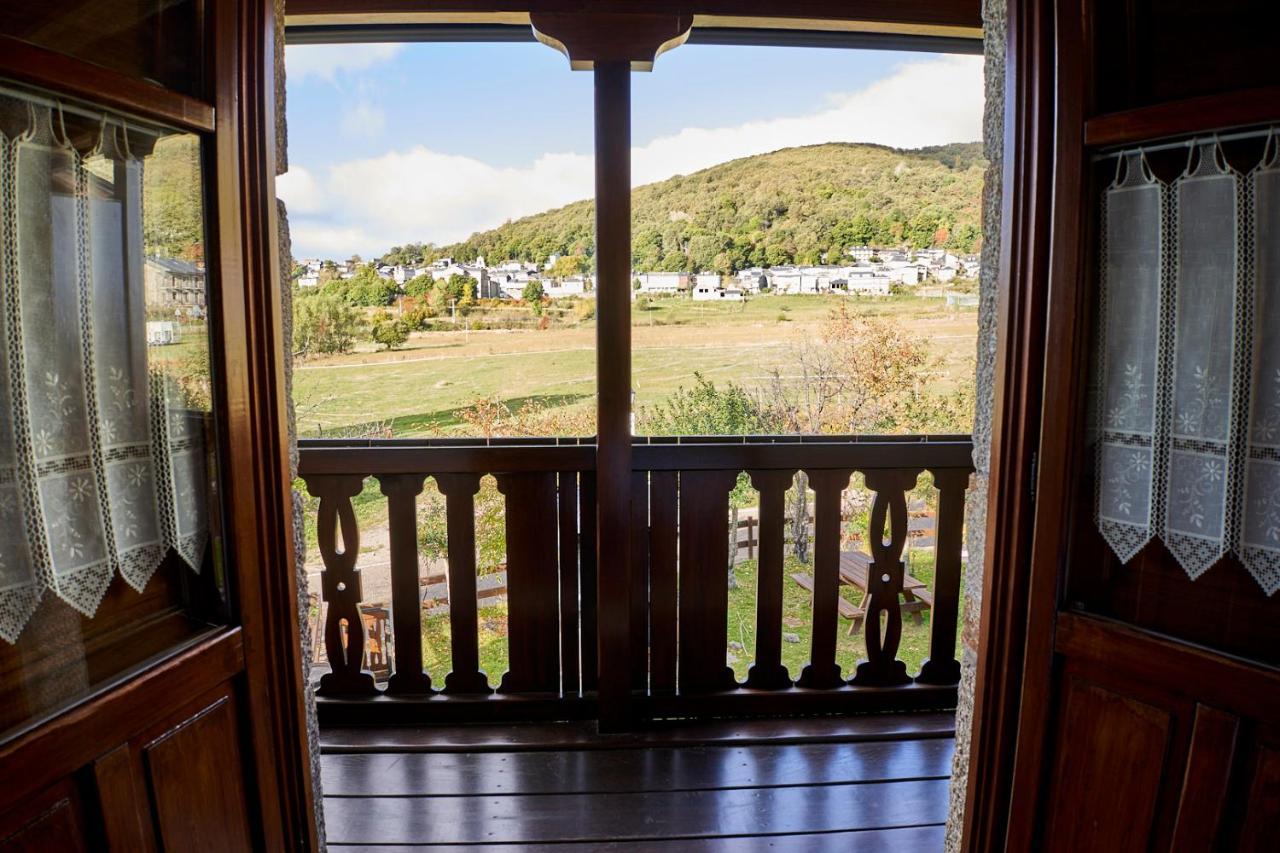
(286, 328)
(993, 15)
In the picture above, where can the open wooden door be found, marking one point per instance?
(1129, 687)
(150, 681)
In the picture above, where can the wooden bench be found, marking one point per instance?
(848, 609)
(916, 598)
(487, 586)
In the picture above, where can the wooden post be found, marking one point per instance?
(613, 387)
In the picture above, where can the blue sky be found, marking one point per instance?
(430, 142)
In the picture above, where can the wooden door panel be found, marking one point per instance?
(52, 820)
(1104, 739)
(1206, 779)
(1260, 826)
(122, 800)
(195, 776)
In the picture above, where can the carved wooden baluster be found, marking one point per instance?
(340, 585)
(460, 510)
(663, 554)
(768, 673)
(823, 672)
(884, 579)
(406, 595)
(942, 666)
(587, 579)
(704, 580)
(567, 501)
(533, 623)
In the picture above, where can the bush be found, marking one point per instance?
(324, 324)
(584, 309)
(389, 331)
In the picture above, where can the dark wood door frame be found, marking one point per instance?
(1013, 663)
(261, 654)
(259, 487)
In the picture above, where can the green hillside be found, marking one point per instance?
(788, 206)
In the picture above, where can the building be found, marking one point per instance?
(752, 280)
(573, 285)
(171, 283)
(706, 279)
(662, 283)
(716, 293)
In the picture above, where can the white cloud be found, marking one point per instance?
(300, 188)
(364, 120)
(368, 205)
(931, 102)
(325, 61)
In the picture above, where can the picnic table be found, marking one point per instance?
(854, 570)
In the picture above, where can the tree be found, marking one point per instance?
(419, 286)
(388, 331)
(172, 217)
(569, 265)
(706, 409)
(860, 374)
(533, 295)
(323, 324)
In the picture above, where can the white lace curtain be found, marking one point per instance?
(102, 464)
(1188, 402)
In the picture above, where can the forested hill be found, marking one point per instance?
(788, 206)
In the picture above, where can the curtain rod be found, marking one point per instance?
(84, 112)
(1190, 140)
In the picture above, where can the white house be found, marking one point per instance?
(308, 280)
(716, 293)
(752, 280)
(706, 279)
(662, 283)
(861, 254)
(163, 333)
(872, 285)
(785, 279)
(573, 285)
(905, 272)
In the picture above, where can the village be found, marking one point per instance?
(869, 271)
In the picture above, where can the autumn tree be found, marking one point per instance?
(858, 375)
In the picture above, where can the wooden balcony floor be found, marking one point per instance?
(869, 784)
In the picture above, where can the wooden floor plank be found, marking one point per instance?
(916, 839)
(557, 736)
(633, 817)
(632, 770)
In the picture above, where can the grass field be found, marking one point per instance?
(796, 628)
(418, 389)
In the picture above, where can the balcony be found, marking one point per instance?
(677, 690)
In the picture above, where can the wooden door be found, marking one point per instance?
(168, 715)
(1122, 704)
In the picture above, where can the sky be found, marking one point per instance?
(398, 143)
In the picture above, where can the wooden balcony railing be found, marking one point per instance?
(679, 580)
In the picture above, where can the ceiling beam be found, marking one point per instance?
(959, 19)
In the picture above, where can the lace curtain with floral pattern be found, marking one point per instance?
(1188, 392)
(102, 461)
